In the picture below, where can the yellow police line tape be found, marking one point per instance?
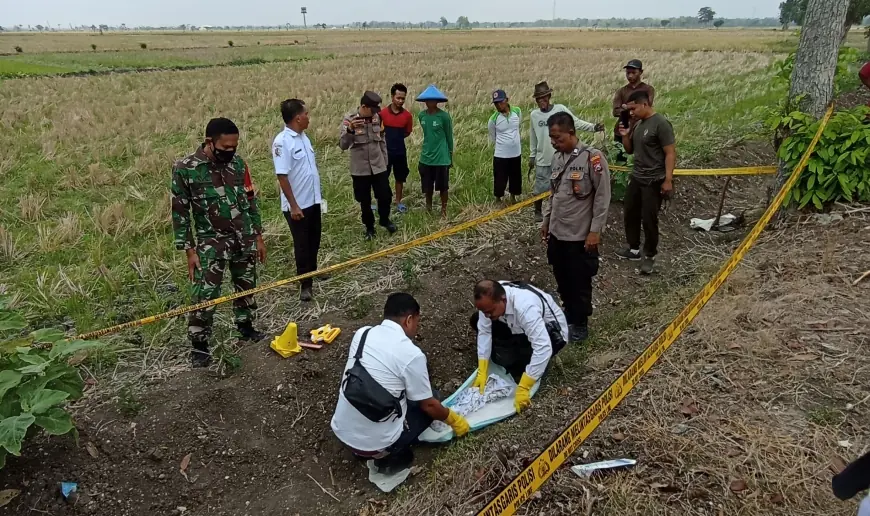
(326, 270)
(563, 446)
(387, 252)
(738, 171)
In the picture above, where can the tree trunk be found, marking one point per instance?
(847, 26)
(815, 63)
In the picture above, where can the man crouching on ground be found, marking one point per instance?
(385, 400)
(520, 328)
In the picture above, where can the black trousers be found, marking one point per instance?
(400, 453)
(573, 268)
(306, 240)
(513, 352)
(507, 174)
(642, 203)
(363, 187)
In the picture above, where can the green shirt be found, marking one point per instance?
(437, 138)
(648, 140)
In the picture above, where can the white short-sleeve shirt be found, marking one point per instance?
(398, 366)
(293, 156)
(525, 314)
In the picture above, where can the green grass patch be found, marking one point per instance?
(13, 67)
(25, 65)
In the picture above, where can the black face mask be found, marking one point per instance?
(222, 155)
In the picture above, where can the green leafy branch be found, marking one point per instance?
(838, 171)
(37, 377)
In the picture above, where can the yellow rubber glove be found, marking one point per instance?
(482, 376)
(523, 399)
(458, 423)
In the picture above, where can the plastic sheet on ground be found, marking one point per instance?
(497, 407)
(707, 224)
(386, 483)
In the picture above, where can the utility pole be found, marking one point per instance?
(304, 21)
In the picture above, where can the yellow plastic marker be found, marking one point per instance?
(286, 344)
(325, 334)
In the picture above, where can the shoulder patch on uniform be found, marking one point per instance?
(277, 150)
(189, 162)
(596, 163)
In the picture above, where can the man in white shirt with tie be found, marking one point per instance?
(520, 328)
(299, 182)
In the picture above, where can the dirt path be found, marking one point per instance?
(259, 440)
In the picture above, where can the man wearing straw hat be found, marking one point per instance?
(436, 156)
(542, 152)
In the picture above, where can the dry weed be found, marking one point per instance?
(31, 207)
(9, 246)
(111, 220)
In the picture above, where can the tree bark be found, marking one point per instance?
(815, 63)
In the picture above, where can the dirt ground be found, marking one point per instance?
(766, 374)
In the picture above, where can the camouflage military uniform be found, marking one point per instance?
(226, 216)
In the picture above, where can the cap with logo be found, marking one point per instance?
(499, 96)
(371, 100)
(634, 63)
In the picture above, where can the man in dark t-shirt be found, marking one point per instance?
(634, 76)
(651, 140)
(398, 124)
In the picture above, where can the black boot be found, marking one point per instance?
(247, 332)
(390, 227)
(578, 332)
(395, 462)
(199, 355)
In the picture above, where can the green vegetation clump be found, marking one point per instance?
(37, 377)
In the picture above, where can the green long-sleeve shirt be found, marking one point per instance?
(437, 138)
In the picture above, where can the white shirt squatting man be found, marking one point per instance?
(392, 363)
(519, 327)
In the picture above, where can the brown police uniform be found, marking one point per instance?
(578, 204)
(368, 161)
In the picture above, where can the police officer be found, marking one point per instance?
(574, 218)
(362, 132)
(214, 184)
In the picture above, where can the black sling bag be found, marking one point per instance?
(554, 330)
(365, 393)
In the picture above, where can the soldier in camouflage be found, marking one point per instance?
(213, 192)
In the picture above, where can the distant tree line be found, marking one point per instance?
(705, 18)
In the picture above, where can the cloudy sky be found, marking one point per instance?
(276, 12)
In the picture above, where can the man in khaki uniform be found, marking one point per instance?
(362, 132)
(574, 218)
